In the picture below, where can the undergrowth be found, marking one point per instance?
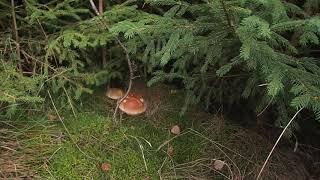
(137, 148)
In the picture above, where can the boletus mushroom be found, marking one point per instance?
(114, 93)
(133, 104)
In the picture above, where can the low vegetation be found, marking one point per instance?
(240, 72)
(140, 147)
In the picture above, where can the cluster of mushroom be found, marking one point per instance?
(133, 104)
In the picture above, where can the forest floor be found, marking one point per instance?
(87, 145)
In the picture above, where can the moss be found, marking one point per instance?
(132, 147)
(96, 138)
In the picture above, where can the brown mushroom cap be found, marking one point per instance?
(175, 130)
(114, 93)
(133, 104)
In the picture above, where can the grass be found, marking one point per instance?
(100, 143)
(25, 145)
(137, 148)
(130, 148)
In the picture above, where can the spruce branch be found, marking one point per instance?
(127, 57)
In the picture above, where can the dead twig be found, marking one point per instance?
(15, 29)
(103, 49)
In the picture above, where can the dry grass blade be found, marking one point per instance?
(18, 141)
(274, 146)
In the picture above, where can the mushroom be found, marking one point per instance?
(114, 93)
(175, 130)
(105, 167)
(133, 104)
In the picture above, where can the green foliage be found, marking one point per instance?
(203, 44)
(266, 49)
(191, 47)
(17, 89)
(55, 50)
(73, 48)
(221, 51)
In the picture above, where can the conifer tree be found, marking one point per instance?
(226, 50)
(222, 51)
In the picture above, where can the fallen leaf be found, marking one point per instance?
(175, 130)
(218, 164)
(52, 117)
(105, 167)
(170, 150)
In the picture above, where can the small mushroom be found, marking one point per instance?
(218, 164)
(133, 104)
(105, 167)
(114, 93)
(175, 130)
